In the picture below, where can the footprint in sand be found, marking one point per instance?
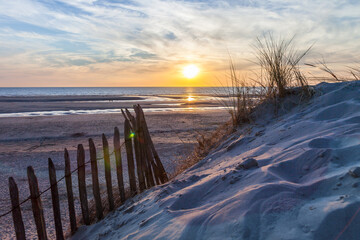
(334, 143)
(337, 111)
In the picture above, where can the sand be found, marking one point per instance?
(306, 184)
(31, 141)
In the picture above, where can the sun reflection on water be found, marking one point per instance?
(190, 99)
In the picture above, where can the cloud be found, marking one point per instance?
(143, 54)
(63, 34)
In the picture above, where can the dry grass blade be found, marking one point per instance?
(279, 63)
(355, 72)
(324, 67)
(238, 97)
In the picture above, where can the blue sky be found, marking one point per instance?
(146, 43)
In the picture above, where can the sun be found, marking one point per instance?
(190, 71)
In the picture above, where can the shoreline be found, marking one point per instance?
(65, 105)
(105, 111)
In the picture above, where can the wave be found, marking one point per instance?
(103, 111)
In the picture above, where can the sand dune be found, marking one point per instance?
(306, 185)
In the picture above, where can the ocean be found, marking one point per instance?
(53, 101)
(109, 91)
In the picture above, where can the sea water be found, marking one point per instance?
(113, 91)
(164, 98)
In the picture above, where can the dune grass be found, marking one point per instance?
(279, 65)
(354, 72)
(239, 96)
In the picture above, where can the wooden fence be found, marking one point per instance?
(149, 171)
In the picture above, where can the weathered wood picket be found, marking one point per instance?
(16, 213)
(70, 195)
(149, 169)
(55, 200)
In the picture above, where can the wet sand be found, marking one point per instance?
(21, 104)
(28, 141)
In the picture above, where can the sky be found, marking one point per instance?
(78, 43)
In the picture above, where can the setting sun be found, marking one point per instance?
(190, 71)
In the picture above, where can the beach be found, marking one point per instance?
(174, 123)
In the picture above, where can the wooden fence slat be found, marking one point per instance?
(108, 172)
(55, 200)
(131, 119)
(69, 191)
(140, 163)
(149, 176)
(146, 166)
(139, 167)
(118, 160)
(82, 184)
(156, 155)
(147, 148)
(95, 180)
(157, 174)
(159, 164)
(16, 212)
(124, 115)
(151, 163)
(139, 154)
(130, 157)
(38, 211)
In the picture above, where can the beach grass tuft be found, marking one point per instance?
(239, 97)
(279, 60)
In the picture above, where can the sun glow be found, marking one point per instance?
(190, 99)
(190, 71)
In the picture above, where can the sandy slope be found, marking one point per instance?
(301, 189)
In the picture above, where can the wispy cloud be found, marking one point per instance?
(119, 41)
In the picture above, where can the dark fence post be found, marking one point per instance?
(82, 184)
(131, 119)
(147, 148)
(55, 200)
(139, 164)
(108, 172)
(36, 204)
(118, 160)
(16, 212)
(130, 156)
(151, 144)
(142, 144)
(69, 191)
(138, 155)
(95, 180)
